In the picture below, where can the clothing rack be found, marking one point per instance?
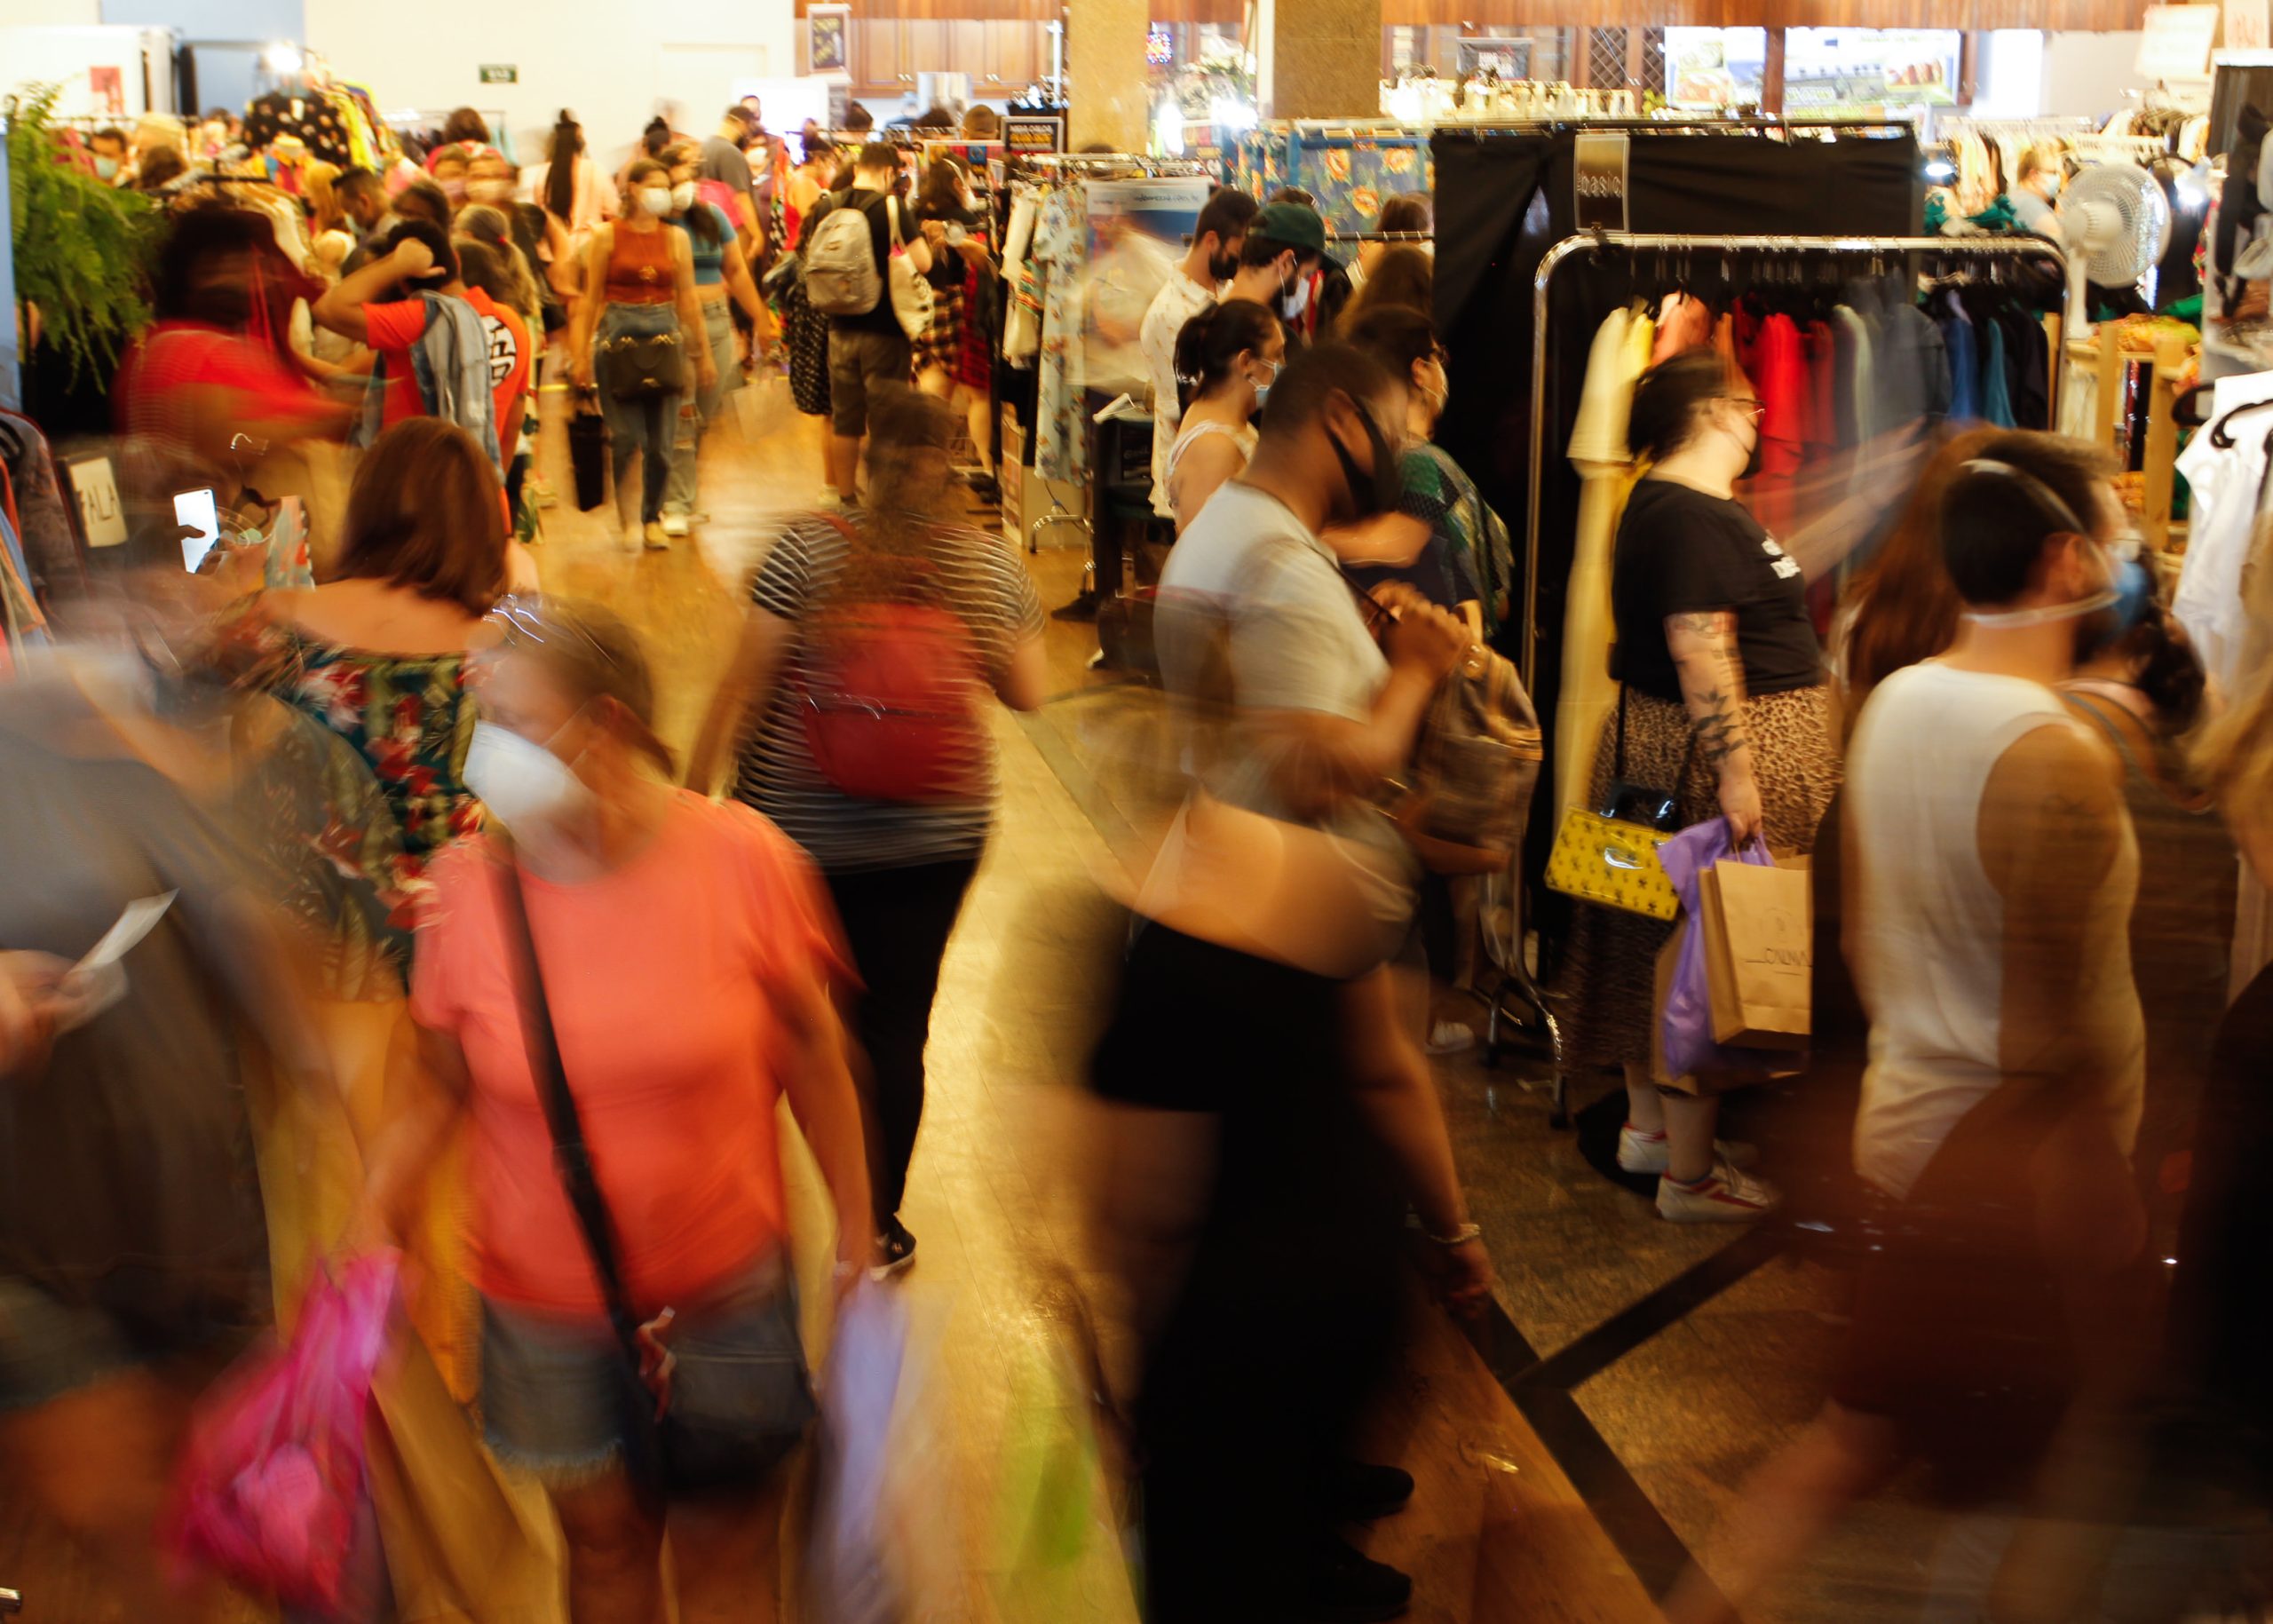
(1989, 249)
(1085, 162)
(1765, 124)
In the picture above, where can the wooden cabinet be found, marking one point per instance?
(926, 46)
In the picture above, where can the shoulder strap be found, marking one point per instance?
(572, 1156)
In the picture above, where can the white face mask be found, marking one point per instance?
(655, 199)
(521, 782)
(2091, 603)
(682, 197)
(1298, 298)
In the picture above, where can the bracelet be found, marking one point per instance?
(1460, 1237)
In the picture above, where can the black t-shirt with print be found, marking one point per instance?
(1681, 552)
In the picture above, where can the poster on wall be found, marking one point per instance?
(828, 39)
(1136, 235)
(1710, 68)
(1867, 71)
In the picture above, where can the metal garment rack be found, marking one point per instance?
(1766, 124)
(1757, 247)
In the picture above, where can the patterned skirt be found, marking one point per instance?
(1608, 980)
(941, 345)
(805, 334)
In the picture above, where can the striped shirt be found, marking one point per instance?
(978, 578)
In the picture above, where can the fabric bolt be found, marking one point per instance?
(1996, 387)
(717, 914)
(979, 580)
(2226, 485)
(1061, 255)
(1598, 451)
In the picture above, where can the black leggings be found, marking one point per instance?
(897, 922)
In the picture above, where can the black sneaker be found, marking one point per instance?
(895, 1249)
(1358, 1491)
(1082, 608)
(1347, 1586)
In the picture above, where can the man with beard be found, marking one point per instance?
(1214, 257)
(1998, 1329)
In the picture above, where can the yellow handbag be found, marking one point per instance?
(1611, 855)
(1614, 862)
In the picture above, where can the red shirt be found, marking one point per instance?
(153, 396)
(663, 979)
(395, 328)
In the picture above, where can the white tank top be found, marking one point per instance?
(1930, 939)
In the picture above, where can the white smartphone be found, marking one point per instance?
(196, 510)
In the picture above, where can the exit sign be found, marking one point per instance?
(500, 72)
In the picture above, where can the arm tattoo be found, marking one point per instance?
(1720, 732)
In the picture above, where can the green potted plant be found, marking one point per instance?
(81, 248)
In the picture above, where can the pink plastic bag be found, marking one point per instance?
(270, 1490)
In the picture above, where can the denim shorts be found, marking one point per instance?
(552, 1389)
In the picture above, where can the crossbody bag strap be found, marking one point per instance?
(572, 1155)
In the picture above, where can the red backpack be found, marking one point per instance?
(892, 704)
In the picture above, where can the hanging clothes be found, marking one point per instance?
(1061, 256)
(1965, 358)
(1622, 351)
(1684, 322)
(2226, 482)
(1996, 383)
(54, 563)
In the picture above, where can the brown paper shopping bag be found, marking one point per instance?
(1759, 952)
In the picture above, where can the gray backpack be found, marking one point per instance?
(841, 274)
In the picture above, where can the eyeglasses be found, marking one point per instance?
(522, 618)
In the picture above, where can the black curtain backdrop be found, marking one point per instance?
(1502, 199)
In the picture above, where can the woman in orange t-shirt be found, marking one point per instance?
(688, 957)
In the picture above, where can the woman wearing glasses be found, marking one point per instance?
(1723, 708)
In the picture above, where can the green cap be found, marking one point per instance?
(1294, 226)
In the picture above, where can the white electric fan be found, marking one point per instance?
(2114, 223)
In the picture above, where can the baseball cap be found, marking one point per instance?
(1294, 225)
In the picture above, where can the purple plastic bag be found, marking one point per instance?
(1685, 1025)
(270, 1490)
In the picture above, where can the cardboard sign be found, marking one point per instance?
(102, 516)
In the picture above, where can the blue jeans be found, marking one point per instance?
(718, 323)
(649, 424)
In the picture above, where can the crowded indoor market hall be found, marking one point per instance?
(1465, 801)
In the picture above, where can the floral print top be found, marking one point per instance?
(410, 718)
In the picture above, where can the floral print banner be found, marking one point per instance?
(1351, 176)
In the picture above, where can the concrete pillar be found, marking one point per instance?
(1318, 58)
(1105, 59)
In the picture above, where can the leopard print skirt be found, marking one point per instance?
(1608, 978)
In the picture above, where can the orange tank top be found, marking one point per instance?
(640, 270)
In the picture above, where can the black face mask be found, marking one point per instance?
(1222, 267)
(1375, 493)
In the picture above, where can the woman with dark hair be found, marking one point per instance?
(467, 127)
(896, 869)
(377, 653)
(1902, 609)
(1404, 277)
(2145, 691)
(1406, 211)
(953, 358)
(569, 184)
(1226, 360)
(721, 273)
(639, 286)
(1724, 709)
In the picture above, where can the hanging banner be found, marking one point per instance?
(1598, 163)
(1136, 235)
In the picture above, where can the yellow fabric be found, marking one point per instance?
(1621, 354)
(462, 1541)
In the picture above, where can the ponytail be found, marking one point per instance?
(1212, 341)
(2170, 672)
(560, 177)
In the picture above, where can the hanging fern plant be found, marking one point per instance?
(81, 248)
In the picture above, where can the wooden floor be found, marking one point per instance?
(1496, 1532)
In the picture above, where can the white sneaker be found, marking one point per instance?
(675, 525)
(1450, 1037)
(1727, 1196)
(1643, 1152)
